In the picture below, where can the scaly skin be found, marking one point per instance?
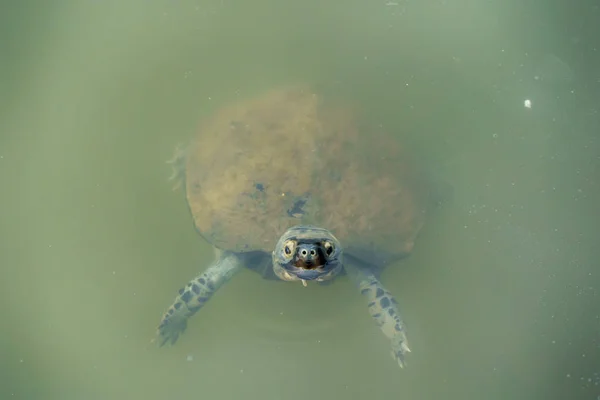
(383, 308)
(195, 295)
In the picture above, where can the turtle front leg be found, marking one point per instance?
(384, 310)
(194, 296)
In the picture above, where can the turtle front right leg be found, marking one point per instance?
(383, 308)
(194, 296)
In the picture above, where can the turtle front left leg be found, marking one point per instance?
(195, 295)
(383, 308)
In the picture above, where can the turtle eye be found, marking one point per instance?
(329, 249)
(288, 248)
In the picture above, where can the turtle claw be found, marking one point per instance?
(401, 363)
(170, 328)
(400, 348)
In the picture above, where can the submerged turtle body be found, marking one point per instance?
(287, 184)
(286, 158)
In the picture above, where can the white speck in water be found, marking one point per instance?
(189, 358)
(527, 103)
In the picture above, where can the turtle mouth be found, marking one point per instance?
(319, 274)
(307, 254)
(303, 260)
(309, 263)
(307, 274)
(309, 268)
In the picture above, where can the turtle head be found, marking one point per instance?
(306, 253)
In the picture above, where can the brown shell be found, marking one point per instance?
(286, 158)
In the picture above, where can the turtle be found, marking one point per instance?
(287, 184)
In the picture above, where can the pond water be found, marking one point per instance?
(501, 295)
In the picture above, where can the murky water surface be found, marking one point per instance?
(501, 295)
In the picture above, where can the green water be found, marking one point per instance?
(501, 296)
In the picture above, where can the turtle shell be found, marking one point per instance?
(285, 158)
